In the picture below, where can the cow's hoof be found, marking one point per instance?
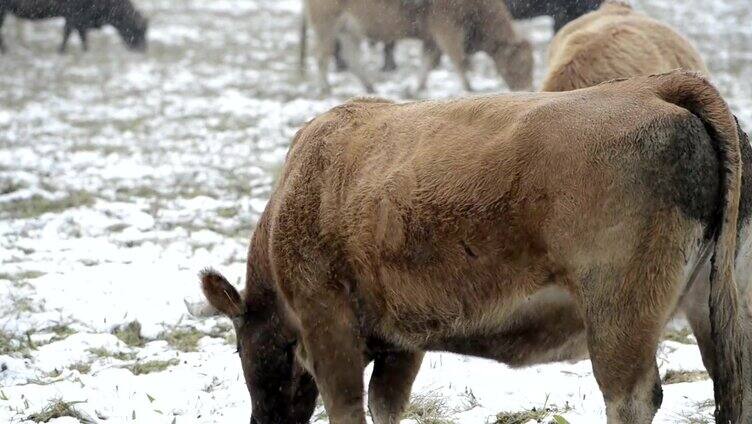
(389, 67)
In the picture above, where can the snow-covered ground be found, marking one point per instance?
(121, 175)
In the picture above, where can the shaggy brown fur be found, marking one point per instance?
(451, 26)
(472, 226)
(615, 42)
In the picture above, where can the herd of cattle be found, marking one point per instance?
(525, 228)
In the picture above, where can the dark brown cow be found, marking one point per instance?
(523, 228)
(82, 15)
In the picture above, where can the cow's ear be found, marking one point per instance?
(221, 294)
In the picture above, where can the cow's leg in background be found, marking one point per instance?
(67, 30)
(696, 309)
(84, 40)
(391, 382)
(339, 63)
(626, 306)
(430, 56)
(352, 55)
(2, 19)
(389, 62)
(20, 31)
(451, 40)
(323, 20)
(334, 350)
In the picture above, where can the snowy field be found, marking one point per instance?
(121, 175)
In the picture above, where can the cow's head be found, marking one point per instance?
(281, 390)
(514, 62)
(131, 25)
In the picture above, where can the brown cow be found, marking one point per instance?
(524, 228)
(615, 42)
(452, 26)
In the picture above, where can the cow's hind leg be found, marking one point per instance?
(334, 352)
(626, 308)
(391, 381)
(83, 37)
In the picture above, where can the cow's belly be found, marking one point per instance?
(543, 327)
(35, 13)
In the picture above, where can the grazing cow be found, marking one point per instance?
(525, 228)
(615, 42)
(82, 15)
(456, 28)
(562, 11)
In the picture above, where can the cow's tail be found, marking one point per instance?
(303, 53)
(694, 93)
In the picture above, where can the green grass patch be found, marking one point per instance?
(148, 367)
(683, 336)
(128, 193)
(11, 344)
(103, 353)
(22, 276)
(545, 414)
(428, 408)
(130, 334)
(38, 205)
(57, 408)
(81, 367)
(702, 413)
(61, 331)
(117, 228)
(183, 339)
(229, 212)
(677, 376)
(101, 148)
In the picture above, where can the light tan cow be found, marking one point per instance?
(455, 27)
(615, 42)
(525, 228)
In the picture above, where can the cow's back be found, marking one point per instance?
(441, 198)
(615, 42)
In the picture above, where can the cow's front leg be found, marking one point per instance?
(451, 40)
(430, 58)
(334, 352)
(2, 19)
(389, 63)
(391, 382)
(67, 30)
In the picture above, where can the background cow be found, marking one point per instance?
(456, 29)
(384, 239)
(562, 11)
(615, 42)
(82, 15)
